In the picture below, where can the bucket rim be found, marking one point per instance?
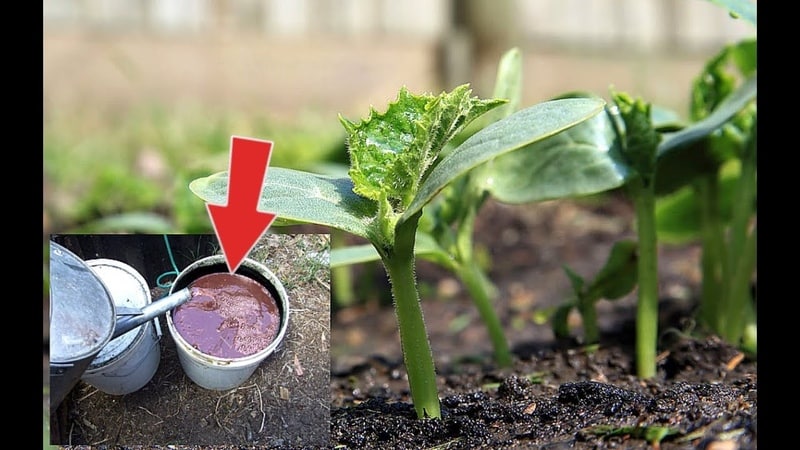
(129, 342)
(243, 361)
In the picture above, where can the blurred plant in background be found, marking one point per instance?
(131, 175)
(693, 181)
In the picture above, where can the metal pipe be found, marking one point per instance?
(126, 323)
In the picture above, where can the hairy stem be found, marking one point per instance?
(417, 354)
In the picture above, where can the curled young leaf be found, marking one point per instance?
(391, 152)
(641, 138)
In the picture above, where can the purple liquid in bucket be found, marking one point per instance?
(228, 316)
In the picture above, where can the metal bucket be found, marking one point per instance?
(128, 362)
(213, 372)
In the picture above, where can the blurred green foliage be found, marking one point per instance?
(130, 173)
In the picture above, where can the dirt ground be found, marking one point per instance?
(558, 394)
(564, 397)
(284, 403)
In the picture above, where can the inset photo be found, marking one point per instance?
(153, 341)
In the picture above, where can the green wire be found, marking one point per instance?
(174, 266)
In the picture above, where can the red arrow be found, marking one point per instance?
(239, 224)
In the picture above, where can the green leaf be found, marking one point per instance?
(722, 140)
(508, 85)
(619, 275)
(581, 160)
(734, 103)
(744, 55)
(354, 254)
(575, 280)
(685, 155)
(391, 152)
(678, 215)
(512, 133)
(300, 197)
(721, 75)
(650, 433)
(129, 222)
(744, 9)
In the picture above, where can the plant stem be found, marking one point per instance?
(480, 289)
(647, 307)
(479, 286)
(586, 306)
(417, 354)
(713, 257)
(742, 254)
(342, 284)
(737, 309)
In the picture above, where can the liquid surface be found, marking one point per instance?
(228, 316)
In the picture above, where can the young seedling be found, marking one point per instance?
(639, 150)
(577, 161)
(662, 155)
(615, 280)
(653, 434)
(445, 232)
(708, 186)
(648, 153)
(397, 168)
(717, 198)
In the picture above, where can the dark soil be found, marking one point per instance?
(559, 394)
(560, 397)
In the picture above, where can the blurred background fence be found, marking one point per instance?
(639, 24)
(285, 56)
